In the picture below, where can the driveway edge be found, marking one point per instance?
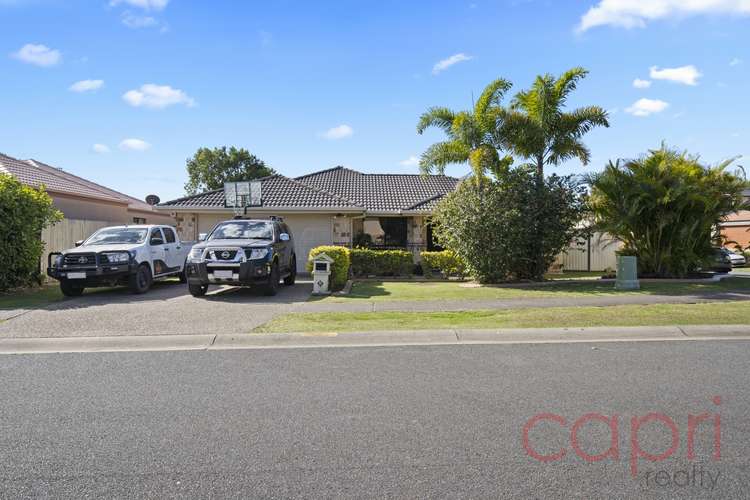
(372, 339)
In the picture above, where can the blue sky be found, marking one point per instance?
(310, 85)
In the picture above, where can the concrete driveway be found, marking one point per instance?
(167, 309)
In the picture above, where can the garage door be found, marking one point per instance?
(309, 231)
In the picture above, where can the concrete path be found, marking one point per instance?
(372, 339)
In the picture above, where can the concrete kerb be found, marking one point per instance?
(365, 339)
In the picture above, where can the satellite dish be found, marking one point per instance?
(152, 199)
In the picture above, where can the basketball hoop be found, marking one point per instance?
(240, 195)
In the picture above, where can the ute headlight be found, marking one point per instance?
(117, 257)
(196, 255)
(256, 253)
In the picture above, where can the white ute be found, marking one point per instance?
(120, 255)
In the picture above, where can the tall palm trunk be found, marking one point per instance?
(538, 220)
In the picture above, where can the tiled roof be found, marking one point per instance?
(54, 180)
(383, 192)
(277, 191)
(340, 188)
(36, 173)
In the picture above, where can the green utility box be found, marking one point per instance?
(627, 273)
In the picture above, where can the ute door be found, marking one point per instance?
(157, 252)
(172, 249)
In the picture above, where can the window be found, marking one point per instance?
(116, 235)
(242, 229)
(168, 234)
(139, 220)
(386, 232)
(155, 237)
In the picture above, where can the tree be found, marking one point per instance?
(487, 224)
(210, 168)
(24, 213)
(665, 207)
(537, 129)
(471, 135)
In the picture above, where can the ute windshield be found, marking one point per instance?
(115, 235)
(242, 230)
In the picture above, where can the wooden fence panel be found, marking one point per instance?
(65, 233)
(594, 254)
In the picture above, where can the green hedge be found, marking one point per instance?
(367, 262)
(339, 268)
(24, 212)
(447, 262)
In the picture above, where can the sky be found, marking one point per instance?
(122, 92)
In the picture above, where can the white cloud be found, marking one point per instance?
(641, 84)
(135, 21)
(637, 13)
(687, 75)
(411, 161)
(134, 145)
(450, 61)
(341, 132)
(735, 62)
(86, 86)
(100, 148)
(39, 55)
(157, 97)
(645, 107)
(142, 4)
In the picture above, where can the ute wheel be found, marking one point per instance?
(289, 280)
(70, 289)
(273, 280)
(198, 290)
(140, 281)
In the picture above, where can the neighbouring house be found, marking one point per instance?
(337, 206)
(737, 226)
(81, 199)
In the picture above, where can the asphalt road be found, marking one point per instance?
(406, 422)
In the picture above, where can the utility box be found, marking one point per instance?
(321, 273)
(627, 273)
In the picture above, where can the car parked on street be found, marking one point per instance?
(243, 252)
(120, 255)
(737, 260)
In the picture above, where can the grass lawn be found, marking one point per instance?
(24, 298)
(392, 290)
(631, 315)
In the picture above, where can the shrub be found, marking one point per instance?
(339, 267)
(447, 262)
(24, 212)
(381, 262)
(665, 208)
(491, 228)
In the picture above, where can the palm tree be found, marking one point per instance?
(537, 129)
(665, 207)
(471, 135)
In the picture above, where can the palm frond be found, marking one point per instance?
(491, 96)
(442, 154)
(436, 117)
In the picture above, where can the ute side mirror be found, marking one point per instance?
(79, 243)
(284, 237)
(202, 237)
(157, 241)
